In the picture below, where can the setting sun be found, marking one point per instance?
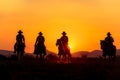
(70, 46)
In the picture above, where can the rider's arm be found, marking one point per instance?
(112, 39)
(17, 38)
(67, 39)
(43, 39)
(23, 39)
(36, 41)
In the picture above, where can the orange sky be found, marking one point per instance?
(85, 21)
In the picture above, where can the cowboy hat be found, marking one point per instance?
(108, 33)
(64, 33)
(40, 33)
(20, 31)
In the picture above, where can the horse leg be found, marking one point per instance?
(40, 56)
(104, 56)
(18, 55)
(64, 57)
(109, 57)
(22, 52)
(43, 58)
(59, 57)
(37, 56)
(69, 58)
(114, 57)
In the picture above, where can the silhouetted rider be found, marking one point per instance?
(40, 39)
(39, 44)
(109, 39)
(64, 40)
(19, 40)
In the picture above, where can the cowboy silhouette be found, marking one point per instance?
(40, 39)
(64, 42)
(64, 39)
(63, 47)
(107, 46)
(19, 40)
(109, 39)
(39, 45)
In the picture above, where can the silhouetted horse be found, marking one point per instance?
(63, 51)
(40, 49)
(20, 49)
(108, 50)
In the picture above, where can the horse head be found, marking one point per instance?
(58, 42)
(102, 44)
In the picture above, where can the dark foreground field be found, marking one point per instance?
(79, 69)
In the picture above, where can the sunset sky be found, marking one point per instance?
(86, 22)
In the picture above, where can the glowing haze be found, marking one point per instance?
(86, 22)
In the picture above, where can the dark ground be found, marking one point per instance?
(79, 69)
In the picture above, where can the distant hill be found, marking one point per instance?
(95, 53)
(8, 53)
(118, 52)
(80, 53)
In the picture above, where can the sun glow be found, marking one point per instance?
(70, 46)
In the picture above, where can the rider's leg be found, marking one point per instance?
(15, 47)
(40, 56)
(44, 53)
(23, 47)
